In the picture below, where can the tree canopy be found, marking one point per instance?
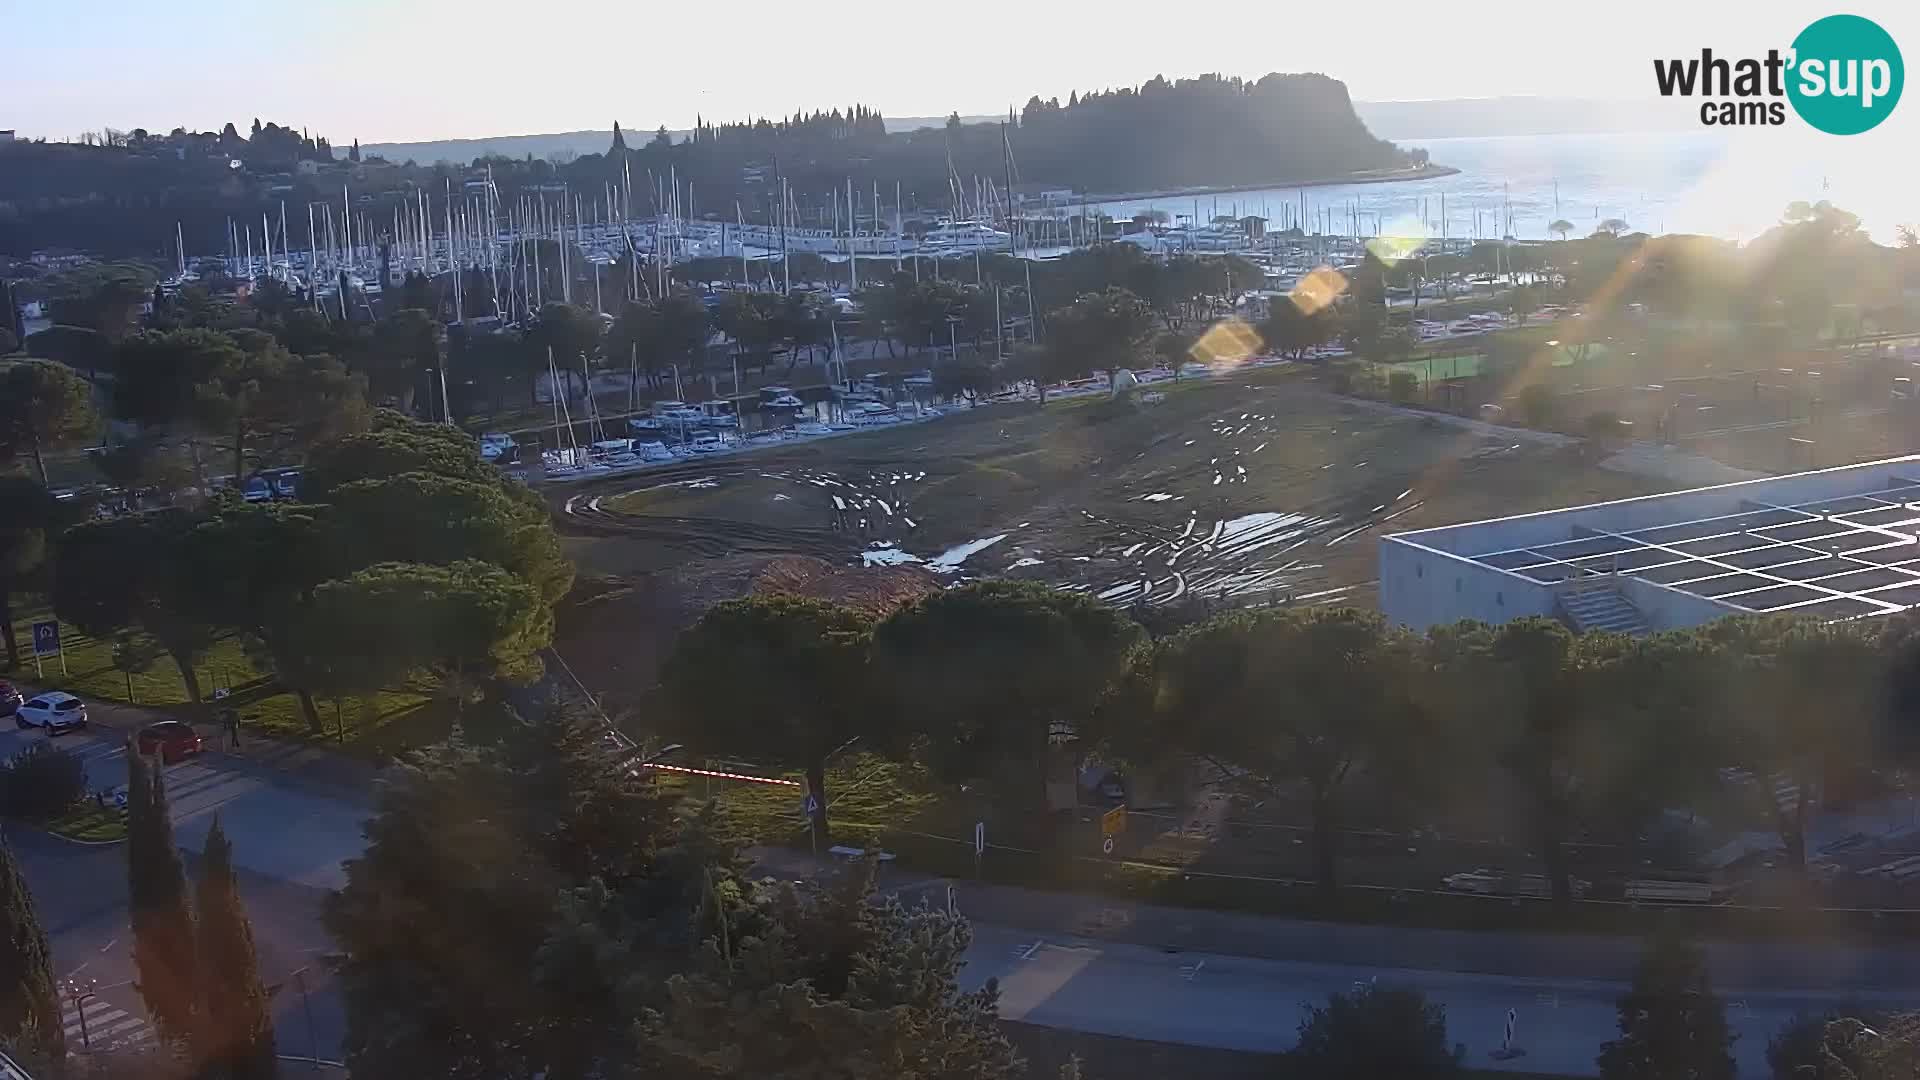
(804, 700)
(43, 406)
(1375, 1031)
(1289, 696)
(1672, 1025)
(995, 674)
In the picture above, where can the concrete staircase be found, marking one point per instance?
(1602, 607)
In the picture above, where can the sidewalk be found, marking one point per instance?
(330, 772)
(1746, 966)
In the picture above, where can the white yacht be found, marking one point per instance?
(718, 414)
(677, 412)
(964, 236)
(779, 398)
(872, 412)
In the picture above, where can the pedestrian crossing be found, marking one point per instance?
(107, 1025)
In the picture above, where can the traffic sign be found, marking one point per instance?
(810, 806)
(1107, 845)
(46, 638)
(1114, 821)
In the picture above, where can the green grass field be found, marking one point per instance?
(378, 727)
(89, 823)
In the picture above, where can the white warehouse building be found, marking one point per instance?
(1833, 544)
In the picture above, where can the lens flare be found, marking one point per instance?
(1229, 341)
(1401, 238)
(1318, 288)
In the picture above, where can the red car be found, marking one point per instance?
(171, 739)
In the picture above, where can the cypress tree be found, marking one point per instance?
(236, 1024)
(13, 320)
(29, 1004)
(163, 947)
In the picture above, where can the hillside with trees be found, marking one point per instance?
(123, 192)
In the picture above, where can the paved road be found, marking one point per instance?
(1242, 1003)
(1855, 967)
(289, 837)
(1085, 963)
(81, 895)
(1238, 981)
(280, 826)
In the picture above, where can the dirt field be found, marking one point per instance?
(1237, 490)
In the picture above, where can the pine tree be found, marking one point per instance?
(353, 155)
(619, 141)
(236, 1027)
(447, 919)
(830, 981)
(1672, 1025)
(29, 1004)
(163, 946)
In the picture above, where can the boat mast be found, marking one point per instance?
(740, 216)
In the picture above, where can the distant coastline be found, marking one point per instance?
(1365, 176)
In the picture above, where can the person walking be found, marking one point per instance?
(231, 716)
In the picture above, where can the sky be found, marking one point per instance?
(403, 70)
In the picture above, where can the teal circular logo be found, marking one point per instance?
(1846, 74)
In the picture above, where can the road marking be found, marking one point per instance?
(95, 1017)
(106, 1025)
(1189, 971)
(1551, 1001)
(129, 1024)
(1026, 953)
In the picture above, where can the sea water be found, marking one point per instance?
(1733, 184)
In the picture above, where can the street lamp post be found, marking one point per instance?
(79, 994)
(299, 977)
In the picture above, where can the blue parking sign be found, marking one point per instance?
(46, 638)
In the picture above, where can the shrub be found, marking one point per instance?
(1604, 427)
(1402, 386)
(41, 781)
(1539, 406)
(1375, 1031)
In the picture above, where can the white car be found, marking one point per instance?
(54, 710)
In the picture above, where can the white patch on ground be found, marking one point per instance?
(887, 555)
(950, 559)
